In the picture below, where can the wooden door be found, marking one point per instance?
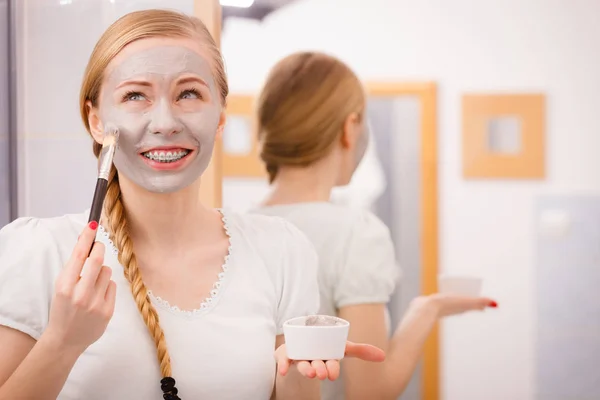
(209, 11)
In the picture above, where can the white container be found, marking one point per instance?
(460, 284)
(323, 339)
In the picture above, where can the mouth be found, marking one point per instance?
(166, 156)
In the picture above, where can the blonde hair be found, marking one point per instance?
(129, 28)
(302, 109)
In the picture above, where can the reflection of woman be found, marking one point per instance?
(313, 134)
(222, 284)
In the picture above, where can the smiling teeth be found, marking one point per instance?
(166, 156)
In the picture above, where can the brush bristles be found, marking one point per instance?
(109, 140)
(111, 135)
(109, 145)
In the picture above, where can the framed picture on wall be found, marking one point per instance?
(503, 136)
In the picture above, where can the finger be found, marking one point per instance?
(102, 283)
(110, 297)
(306, 369)
(92, 268)
(481, 303)
(80, 253)
(364, 352)
(333, 369)
(320, 369)
(283, 363)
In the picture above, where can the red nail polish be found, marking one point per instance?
(93, 225)
(493, 304)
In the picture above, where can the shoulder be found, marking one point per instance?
(365, 223)
(284, 248)
(29, 237)
(60, 224)
(325, 216)
(348, 222)
(332, 227)
(262, 230)
(32, 254)
(356, 237)
(367, 236)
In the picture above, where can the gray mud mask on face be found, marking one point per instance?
(160, 120)
(362, 143)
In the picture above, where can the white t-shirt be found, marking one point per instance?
(223, 350)
(357, 263)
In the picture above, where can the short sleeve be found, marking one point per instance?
(370, 273)
(298, 282)
(27, 254)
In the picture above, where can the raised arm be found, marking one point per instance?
(82, 305)
(389, 379)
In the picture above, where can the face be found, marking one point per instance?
(357, 136)
(361, 143)
(161, 95)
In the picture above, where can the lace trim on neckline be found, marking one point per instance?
(214, 293)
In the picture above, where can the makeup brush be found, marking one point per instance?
(105, 161)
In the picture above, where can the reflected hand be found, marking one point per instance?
(327, 369)
(447, 304)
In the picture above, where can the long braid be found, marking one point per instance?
(119, 232)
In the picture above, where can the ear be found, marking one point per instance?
(350, 131)
(221, 126)
(96, 128)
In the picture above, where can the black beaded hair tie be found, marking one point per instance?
(167, 385)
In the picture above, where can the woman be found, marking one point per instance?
(221, 284)
(312, 130)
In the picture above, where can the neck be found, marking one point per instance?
(163, 220)
(302, 185)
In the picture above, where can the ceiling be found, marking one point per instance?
(258, 10)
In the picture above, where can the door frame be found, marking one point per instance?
(211, 189)
(13, 146)
(426, 93)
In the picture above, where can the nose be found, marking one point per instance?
(162, 119)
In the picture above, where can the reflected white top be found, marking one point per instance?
(357, 263)
(222, 350)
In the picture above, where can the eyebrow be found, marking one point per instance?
(138, 83)
(190, 79)
(182, 81)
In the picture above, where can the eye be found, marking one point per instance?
(133, 96)
(189, 94)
